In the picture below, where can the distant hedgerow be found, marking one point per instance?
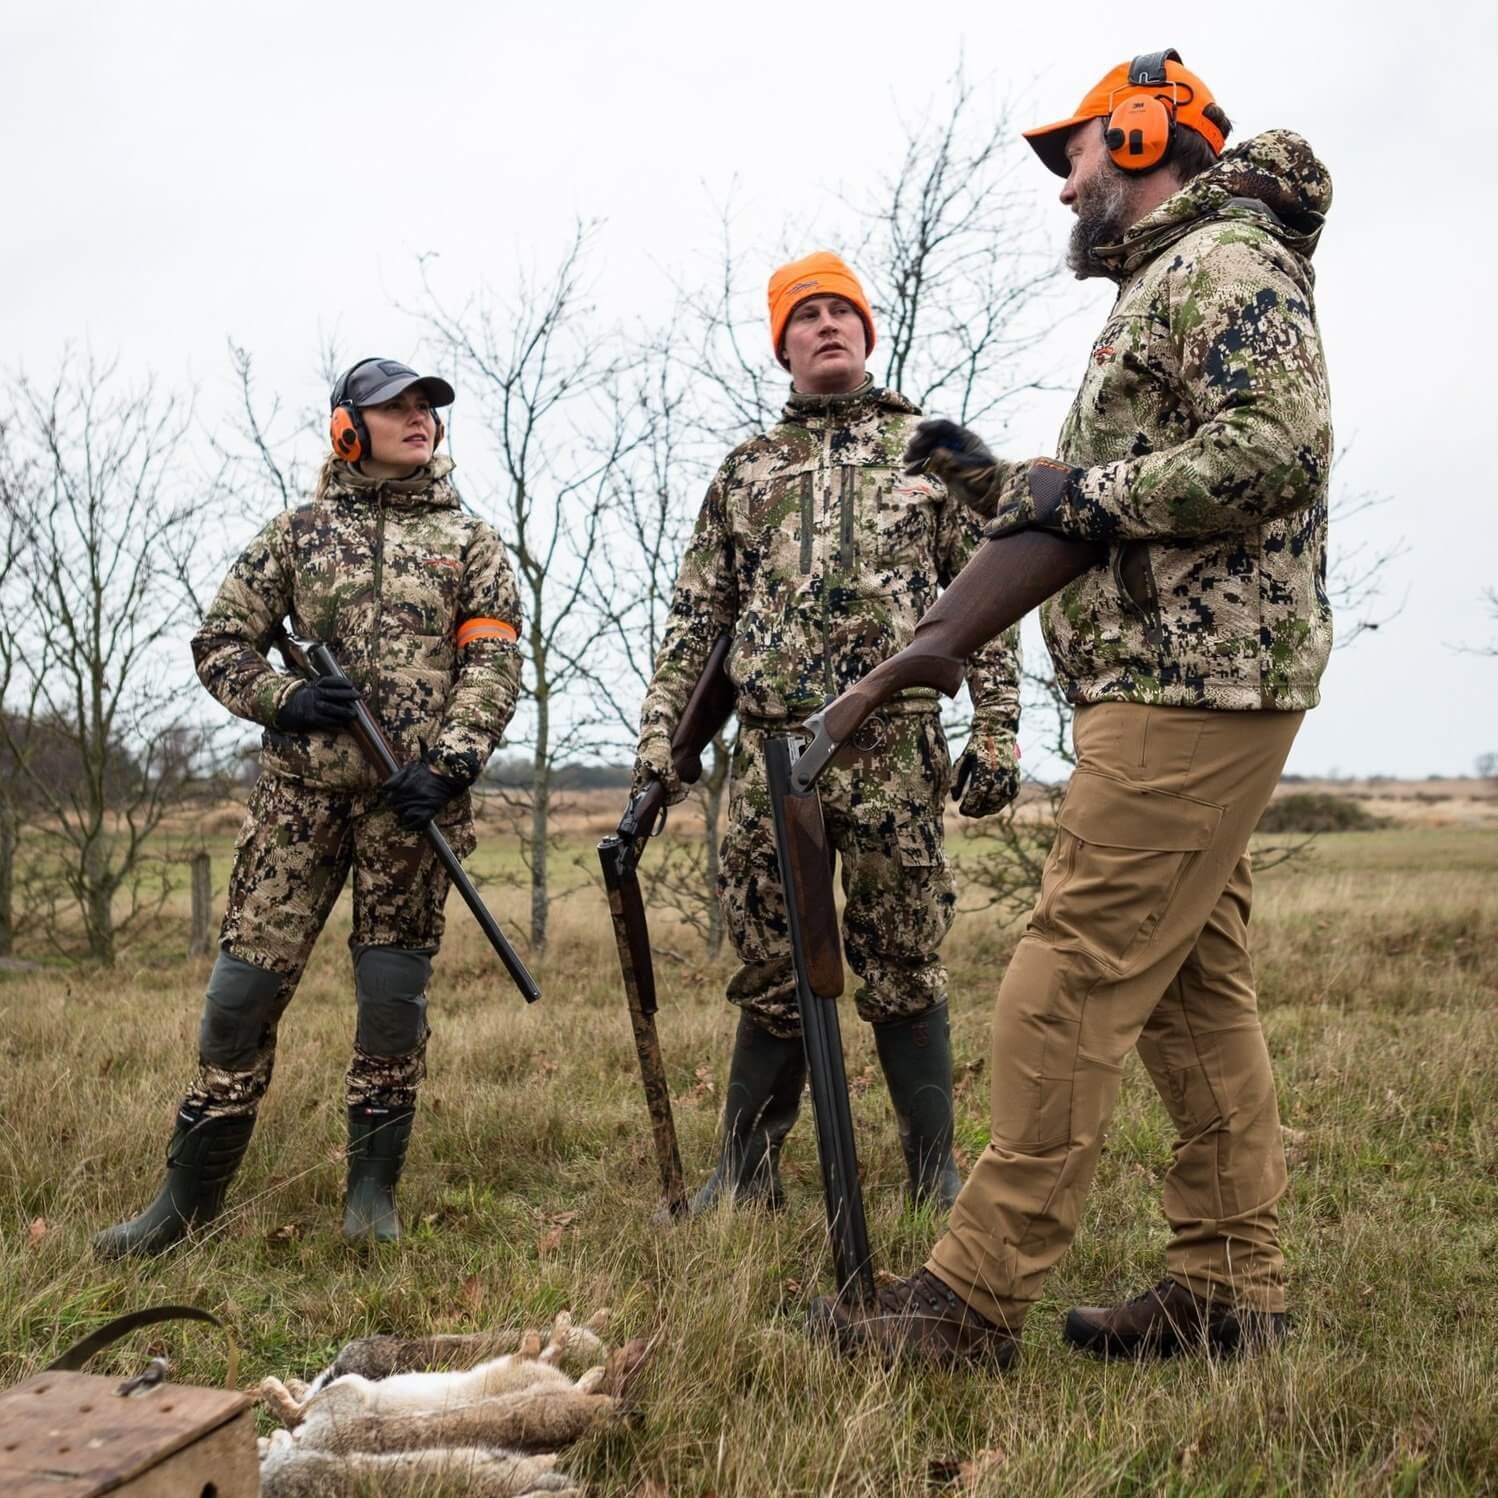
(1318, 811)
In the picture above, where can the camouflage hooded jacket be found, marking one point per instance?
(817, 553)
(1203, 425)
(386, 574)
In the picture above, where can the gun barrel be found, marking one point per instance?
(806, 878)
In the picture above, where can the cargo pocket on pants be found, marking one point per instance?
(1122, 851)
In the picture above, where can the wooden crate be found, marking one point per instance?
(69, 1435)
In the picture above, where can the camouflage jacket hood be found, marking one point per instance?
(818, 554)
(1202, 432)
(384, 571)
(1277, 171)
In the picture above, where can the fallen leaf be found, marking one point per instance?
(860, 1084)
(288, 1232)
(549, 1243)
(37, 1231)
(704, 1087)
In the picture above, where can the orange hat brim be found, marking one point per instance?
(1049, 141)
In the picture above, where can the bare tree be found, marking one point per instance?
(546, 376)
(89, 618)
(961, 278)
(652, 497)
(15, 796)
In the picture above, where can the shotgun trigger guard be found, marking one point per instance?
(629, 824)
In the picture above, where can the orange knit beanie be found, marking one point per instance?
(819, 274)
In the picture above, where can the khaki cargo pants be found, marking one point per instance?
(1139, 938)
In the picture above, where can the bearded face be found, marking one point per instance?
(1102, 216)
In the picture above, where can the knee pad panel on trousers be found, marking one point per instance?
(238, 1005)
(391, 983)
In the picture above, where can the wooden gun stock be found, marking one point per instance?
(1003, 580)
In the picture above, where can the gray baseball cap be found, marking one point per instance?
(373, 381)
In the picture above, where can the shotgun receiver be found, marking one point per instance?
(1003, 580)
(316, 659)
(816, 955)
(708, 708)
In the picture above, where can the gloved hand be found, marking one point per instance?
(1034, 496)
(959, 458)
(416, 793)
(987, 775)
(653, 762)
(323, 704)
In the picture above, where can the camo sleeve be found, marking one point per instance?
(993, 672)
(704, 604)
(483, 698)
(1250, 363)
(229, 646)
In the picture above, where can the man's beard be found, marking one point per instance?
(1101, 219)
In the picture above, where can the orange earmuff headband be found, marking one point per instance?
(1141, 103)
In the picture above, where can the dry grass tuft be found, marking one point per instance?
(531, 1180)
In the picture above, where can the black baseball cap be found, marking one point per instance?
(370, 382)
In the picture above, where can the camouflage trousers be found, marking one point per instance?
(296, 849)
(882, 803)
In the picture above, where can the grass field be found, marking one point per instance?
(531, 1179)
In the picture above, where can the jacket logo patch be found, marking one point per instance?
(1103, 353)
(451, 562)
(915, 487)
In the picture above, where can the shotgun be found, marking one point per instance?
(806, 877)
(315, 659)
(708, 708)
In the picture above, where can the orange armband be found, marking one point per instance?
(485, 629)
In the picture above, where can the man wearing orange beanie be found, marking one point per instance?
(818, 554)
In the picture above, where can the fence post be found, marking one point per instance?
(200, 941)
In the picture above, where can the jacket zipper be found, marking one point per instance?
(379, 586)
(827, 686)
(845, 554)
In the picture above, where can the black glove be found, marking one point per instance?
(959, 458)
(953, 447)
(416, 793)
(324, 703)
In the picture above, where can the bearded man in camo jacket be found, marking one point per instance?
(417, 600)
(817, 555)
(1195, 459)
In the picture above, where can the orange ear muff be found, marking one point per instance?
(349, 435)
(1140, 132)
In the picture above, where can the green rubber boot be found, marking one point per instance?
(377, 1140)
(765, 1078)
(200, 1162)
(916, 1056)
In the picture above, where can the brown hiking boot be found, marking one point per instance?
(1168, 1319)
(919, 1316)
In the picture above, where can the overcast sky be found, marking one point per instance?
(180, 173)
